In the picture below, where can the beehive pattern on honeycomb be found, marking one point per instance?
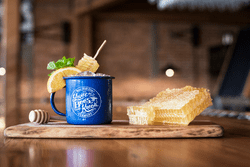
(171, 107)
(87, 63)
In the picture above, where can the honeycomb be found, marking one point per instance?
(171, 107)
(87, 63)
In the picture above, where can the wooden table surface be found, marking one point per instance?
(233, 149)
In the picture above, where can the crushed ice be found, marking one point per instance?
(89, 73)
(86, 73)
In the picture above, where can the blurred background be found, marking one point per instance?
(151, 45)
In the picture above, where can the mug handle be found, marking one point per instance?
(52, 103)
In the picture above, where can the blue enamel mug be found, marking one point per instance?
(88, 100)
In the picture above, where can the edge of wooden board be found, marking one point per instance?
(118, 129)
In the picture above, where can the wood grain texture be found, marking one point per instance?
(230, 150)
(118, 129)
(82, 7)
(10, 49)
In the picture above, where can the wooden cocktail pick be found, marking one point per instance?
(88, 63)
(100, 48)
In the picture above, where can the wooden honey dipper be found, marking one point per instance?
(43, 117)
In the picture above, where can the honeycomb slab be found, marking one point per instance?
(171, 107)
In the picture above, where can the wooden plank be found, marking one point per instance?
(238, 18)
(82, 6)
(82, 36)
(86, 35)
(74, 44)
(117, 129)
(10, 49)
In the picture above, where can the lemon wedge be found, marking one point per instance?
(56, 81)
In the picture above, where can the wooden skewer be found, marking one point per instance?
(86, 64)
(43, 117)
(100, 48)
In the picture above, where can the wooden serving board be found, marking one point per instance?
(117, 129)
